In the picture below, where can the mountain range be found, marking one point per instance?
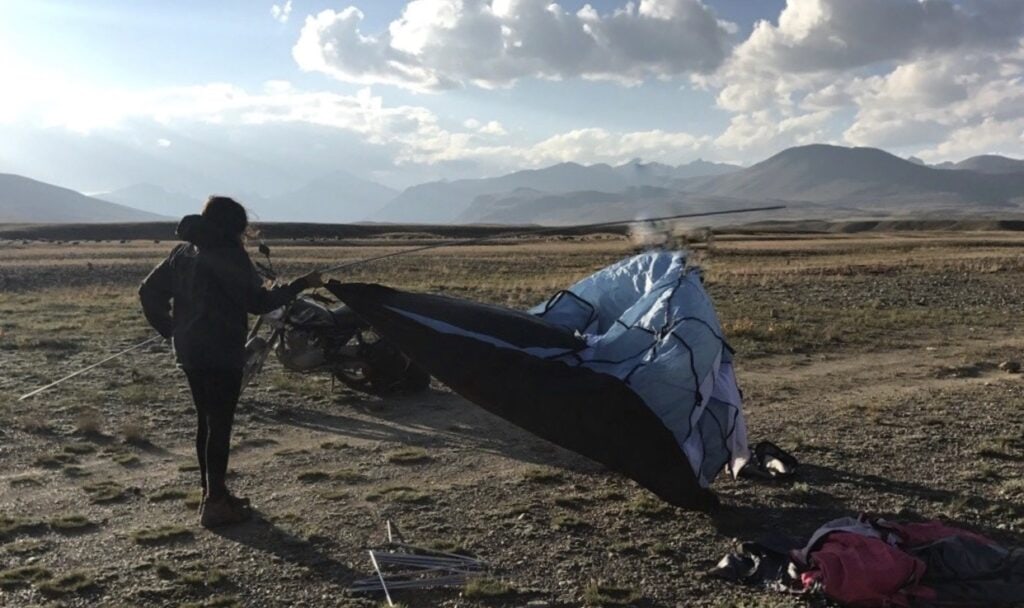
(818, 180)
(24, 200)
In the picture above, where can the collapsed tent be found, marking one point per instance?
(627, 367)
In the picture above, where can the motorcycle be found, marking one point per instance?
(315, 334)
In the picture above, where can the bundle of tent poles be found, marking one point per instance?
(451, 243)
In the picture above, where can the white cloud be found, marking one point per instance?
(163, 142)
(440, 44)
(910, 73)
(834, 35)
(600, 145)
(492, 128)
(281, 12)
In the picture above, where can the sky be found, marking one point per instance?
(262, 97)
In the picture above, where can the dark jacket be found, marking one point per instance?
(201, 294)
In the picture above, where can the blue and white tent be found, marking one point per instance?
(628, 367)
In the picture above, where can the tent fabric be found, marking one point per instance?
(627, 367)
(650, 323)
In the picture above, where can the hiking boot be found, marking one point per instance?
(224, 511)
(240, 503)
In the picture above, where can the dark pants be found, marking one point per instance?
(215, 393)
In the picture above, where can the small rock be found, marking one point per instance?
(1010, 367)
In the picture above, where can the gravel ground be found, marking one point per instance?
(885, 384)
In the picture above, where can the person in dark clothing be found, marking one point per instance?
(199, 297)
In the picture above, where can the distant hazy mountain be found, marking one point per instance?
(525, 206)
(858, 176)
(440, 202)
(813, 181)
(154, 199)
(638, 173)
(450, 201)
(987, 163)
(339, 197)
(24, 200)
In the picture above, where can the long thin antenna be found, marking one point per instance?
(85, 369)
(547, 229)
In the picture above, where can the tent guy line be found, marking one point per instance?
(94, 365)
(452, 243)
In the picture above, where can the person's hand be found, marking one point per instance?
(312, 280)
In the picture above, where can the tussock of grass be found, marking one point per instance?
(342, 475)
(165, 494)
(574, 503)
(408, 456)
(11, 526)
(483, 588)
(88, 422)
(25, 547)
(220, 601)
(25, 481)
(79, 448)
(334, 445)
(257, 442)
(71, 523)
(75, 472)
(68, 584)
(126, 459)
(161, 535)
(22, 577)
(291, 452)
(611, 496)
(136, 394)
(194, 575)
(569, 523)
(1013, 488)
(1003, 448)
(543, 476)
(648, 506)
(348, 476)
(600, 594)
(103, 492)
(134, 433)
(55, 345)
(399, 494)
(194, 499)
(313, 476)
(983, 474)
(336, 495)
(55, 461)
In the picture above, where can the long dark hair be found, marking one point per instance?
(228, 215)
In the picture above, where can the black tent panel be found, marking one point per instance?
(489, 355)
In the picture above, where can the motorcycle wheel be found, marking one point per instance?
(355, 379)
(384, 370)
